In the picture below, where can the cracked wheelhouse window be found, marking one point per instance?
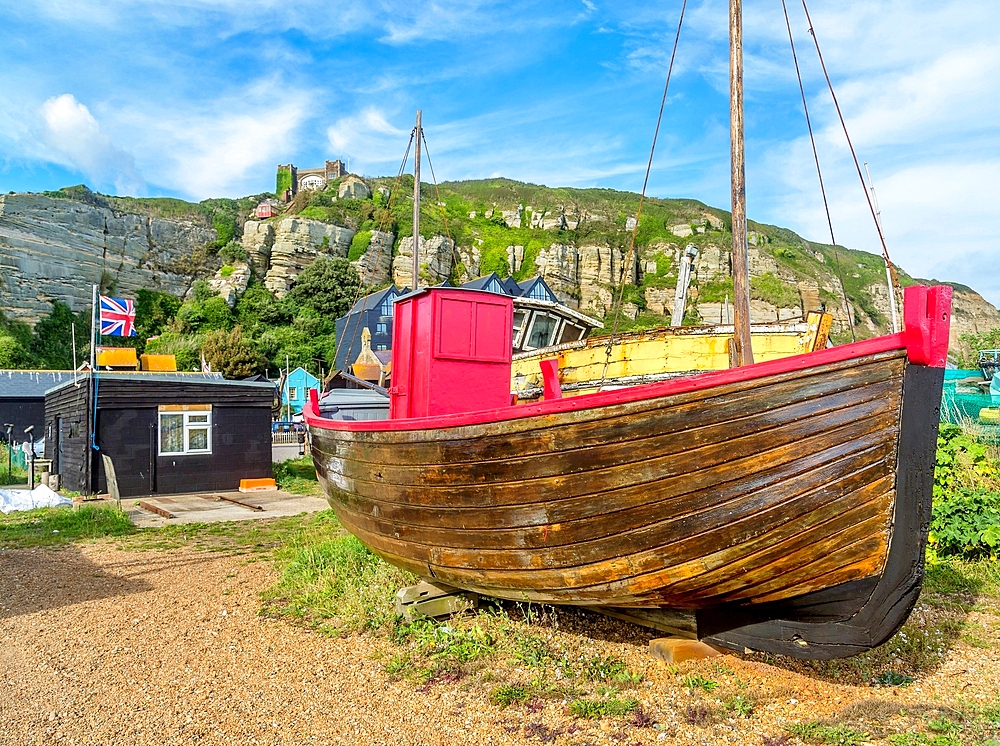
(185, 429)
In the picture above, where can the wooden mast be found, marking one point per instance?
(741, 273)
(416, 203)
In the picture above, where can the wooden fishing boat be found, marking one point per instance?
(779, 506)
(784, 504)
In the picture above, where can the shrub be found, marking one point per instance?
(233, 252)
(772, 289)
(966, 512)
(359, 245)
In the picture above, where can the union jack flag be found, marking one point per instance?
(117, 317)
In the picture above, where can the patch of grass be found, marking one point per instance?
(507, 694)
(448, 643)
(741, 705)
(298, 476)
(240, 537)
(893, 678)
(603, 708)
(815, 732)
(54, 526)
(924, 739)
(335, 586)
(610, 670)
(697, 681)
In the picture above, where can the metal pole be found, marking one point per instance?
(93, 330)
(416, 204)
(72, 328)
(741, 271)
(888, 272)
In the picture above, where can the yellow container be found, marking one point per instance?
(117, 357)
(159, 362)
(990, 415)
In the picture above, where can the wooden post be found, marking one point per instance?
(416, 203)
(741, 271)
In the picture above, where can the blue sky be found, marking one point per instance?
(203, 98)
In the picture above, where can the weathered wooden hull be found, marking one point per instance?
(742, 499)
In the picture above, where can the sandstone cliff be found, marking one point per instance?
(297, 243)
(56, 249)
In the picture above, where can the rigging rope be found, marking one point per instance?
(857, 165)
(444, 211)
(372, 262)
(819, 173)
(615, 309)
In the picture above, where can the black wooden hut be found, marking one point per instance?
(164, 432)
(22, 399)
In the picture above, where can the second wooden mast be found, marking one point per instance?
(741, 270)
(418, 132)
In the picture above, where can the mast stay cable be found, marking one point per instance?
(857, 165)
(372, 262)
(819, 174)
(616, 307)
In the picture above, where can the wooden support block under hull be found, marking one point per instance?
(679, 649)
(427, 599)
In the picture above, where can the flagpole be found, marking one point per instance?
(93, 330)
(92, 416)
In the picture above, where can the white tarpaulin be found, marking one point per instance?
(40, 497)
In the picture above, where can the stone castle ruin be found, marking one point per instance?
(292, 180)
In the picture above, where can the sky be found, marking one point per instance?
(204, 98)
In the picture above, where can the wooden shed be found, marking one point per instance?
(164, 432)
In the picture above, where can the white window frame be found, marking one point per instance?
(191, 417)
(293, 393)
(531, 327)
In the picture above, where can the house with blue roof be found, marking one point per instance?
(373, 312)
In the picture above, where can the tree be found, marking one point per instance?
(328, 286)
(153, 311)
(232, 355)
(51, 342)
(12, 353)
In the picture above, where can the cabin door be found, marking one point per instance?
(402, 361)
(58, 446)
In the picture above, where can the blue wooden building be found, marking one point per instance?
(295, 390)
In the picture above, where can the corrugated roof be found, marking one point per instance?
(31, 384)
(215, 379)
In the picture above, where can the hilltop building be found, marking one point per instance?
(292, 180)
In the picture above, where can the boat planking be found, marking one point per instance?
(781, 506)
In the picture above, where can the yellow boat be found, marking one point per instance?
(655, 355)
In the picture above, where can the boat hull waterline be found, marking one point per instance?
(769, 502)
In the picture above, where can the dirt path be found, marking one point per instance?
(104, 646)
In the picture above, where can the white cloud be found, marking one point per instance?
(78, 141)
(229, 146)
(368, 139)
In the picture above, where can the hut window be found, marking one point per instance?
(293, 394)
(519, 317)
(381, 328)
(542, 329)
(183, 432)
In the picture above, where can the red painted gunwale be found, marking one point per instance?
(707, 380)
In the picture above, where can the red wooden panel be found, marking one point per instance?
(456, 318)
(493, 332)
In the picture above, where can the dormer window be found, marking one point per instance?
(387, 304)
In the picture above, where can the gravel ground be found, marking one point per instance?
(105, 646)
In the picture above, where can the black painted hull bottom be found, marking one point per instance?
(855, 617)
